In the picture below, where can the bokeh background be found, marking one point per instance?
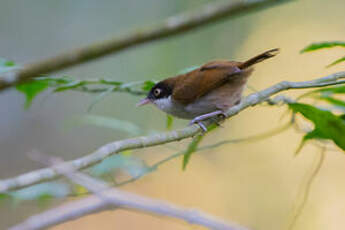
(252, 183)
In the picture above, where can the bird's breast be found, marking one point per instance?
(174, 108)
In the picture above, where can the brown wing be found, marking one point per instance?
(197, 83)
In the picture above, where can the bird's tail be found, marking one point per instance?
(259, 58)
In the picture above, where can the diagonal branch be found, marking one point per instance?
(107, 150)
(172, 26)
(106, 198)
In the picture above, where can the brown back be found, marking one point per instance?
(197, 83)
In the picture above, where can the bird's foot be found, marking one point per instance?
(198, 120)
(202, 126)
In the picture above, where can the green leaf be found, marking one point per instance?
(169, 122)
(323, 45)
(337, 61)
(314, 134)
(325, 92)
(193, 145)
(333, 101)
(147, 86)
(32, 89)
(332, 90)
(113, 123)
(326, 124)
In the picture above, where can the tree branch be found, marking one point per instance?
(104, 198)
(107, 150)
(172, 26)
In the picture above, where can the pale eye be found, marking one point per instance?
(157, 92)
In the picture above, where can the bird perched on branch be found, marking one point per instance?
(205, 92)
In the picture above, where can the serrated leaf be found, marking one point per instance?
(323, 45)
(193, 145)
(337, 61)
(113, 123)
(42, 191)
(32, 89)
(169, 122)
(326, 124)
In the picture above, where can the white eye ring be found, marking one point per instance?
(156, 92)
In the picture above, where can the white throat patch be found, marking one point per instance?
(164, 104)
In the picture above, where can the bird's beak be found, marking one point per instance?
(144, 102)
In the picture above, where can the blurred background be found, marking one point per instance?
(252, 183)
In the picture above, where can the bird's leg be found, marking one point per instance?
(202, 126)
(198, 119)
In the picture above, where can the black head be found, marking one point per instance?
(160, 90)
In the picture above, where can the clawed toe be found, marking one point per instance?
(195, 121)
(202, 126)
(198, 122)
(222, 115)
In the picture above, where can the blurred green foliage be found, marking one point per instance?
(169, 122)
(6, 65)
(32, 89)
(112, 123)
(326, 45)
(39, 192)
(192, 147)
(134, 166)
(322, 45)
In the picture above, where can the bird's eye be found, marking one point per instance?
(157, 92)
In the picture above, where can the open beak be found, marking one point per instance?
(144, 102)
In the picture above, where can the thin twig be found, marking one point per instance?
(306, 190)
(107, 150)
(115, 198)
(172, 26)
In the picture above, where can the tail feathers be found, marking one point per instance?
(259, 58)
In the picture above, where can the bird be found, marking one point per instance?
(205, 92)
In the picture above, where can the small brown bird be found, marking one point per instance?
(205, 92)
